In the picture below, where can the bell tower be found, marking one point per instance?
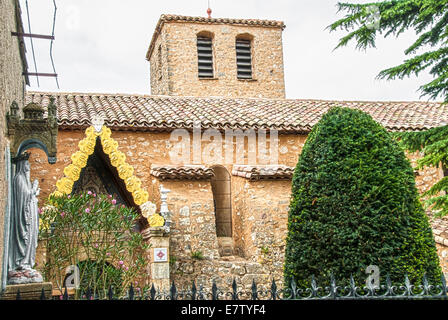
(217, 57)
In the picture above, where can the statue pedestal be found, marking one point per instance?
(24, 277)
(29, 291)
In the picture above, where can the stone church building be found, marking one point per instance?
(219, 133)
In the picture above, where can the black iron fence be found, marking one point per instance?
(385, 291)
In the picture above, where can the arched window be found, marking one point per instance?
(223, 206)
(243, 48)
(223, 210)
(205, 54)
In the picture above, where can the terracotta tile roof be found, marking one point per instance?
(165, 113)
(178, 18)
(185, 172)
(263, 172)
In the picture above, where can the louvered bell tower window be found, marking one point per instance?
(205, 57)
(243, 59)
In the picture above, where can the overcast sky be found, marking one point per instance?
(100, 47)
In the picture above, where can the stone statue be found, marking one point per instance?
(24, 226)
(164, 211)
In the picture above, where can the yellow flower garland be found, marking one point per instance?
(156, 220)
(118, 160)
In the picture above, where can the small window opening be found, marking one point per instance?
(205, 57)
(244, 59)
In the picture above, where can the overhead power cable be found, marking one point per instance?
(31, 40)
(30, 35)
(51, 43)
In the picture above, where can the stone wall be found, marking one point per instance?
(426, 177)
(193, 226)
(259, 229)
(11, 89)
(259, 209)
(159, 66)
(180, 65)
(443, 257)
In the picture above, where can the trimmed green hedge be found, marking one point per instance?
(354, 204)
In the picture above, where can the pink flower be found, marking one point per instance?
(69, 196)
(96, 245)
(89, 192)
(127, 268)
(108, 254)
(39, 210)
(120, 262)
(62, 214)
(114, 201)
(109, 196)
(94, 194)
(87, 210)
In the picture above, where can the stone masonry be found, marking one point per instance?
(12, 88)
(174, 65)
(259, 209)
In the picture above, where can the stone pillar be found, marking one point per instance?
(158, 255)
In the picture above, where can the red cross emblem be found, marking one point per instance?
(160, 254)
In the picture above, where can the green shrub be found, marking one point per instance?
(197, 255)
(354, 204)
(95, 234)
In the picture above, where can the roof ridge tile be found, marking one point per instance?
(147, 112)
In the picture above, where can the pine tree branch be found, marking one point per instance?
(414, 65)
(432, 37)
(437, 87)
(395, 17)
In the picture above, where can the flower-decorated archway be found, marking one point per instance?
(118, 160)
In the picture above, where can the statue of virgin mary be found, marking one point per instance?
(24, 226)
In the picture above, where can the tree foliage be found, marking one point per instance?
(434, 145)
(429, 20)
(354, 204)
(429, 52)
